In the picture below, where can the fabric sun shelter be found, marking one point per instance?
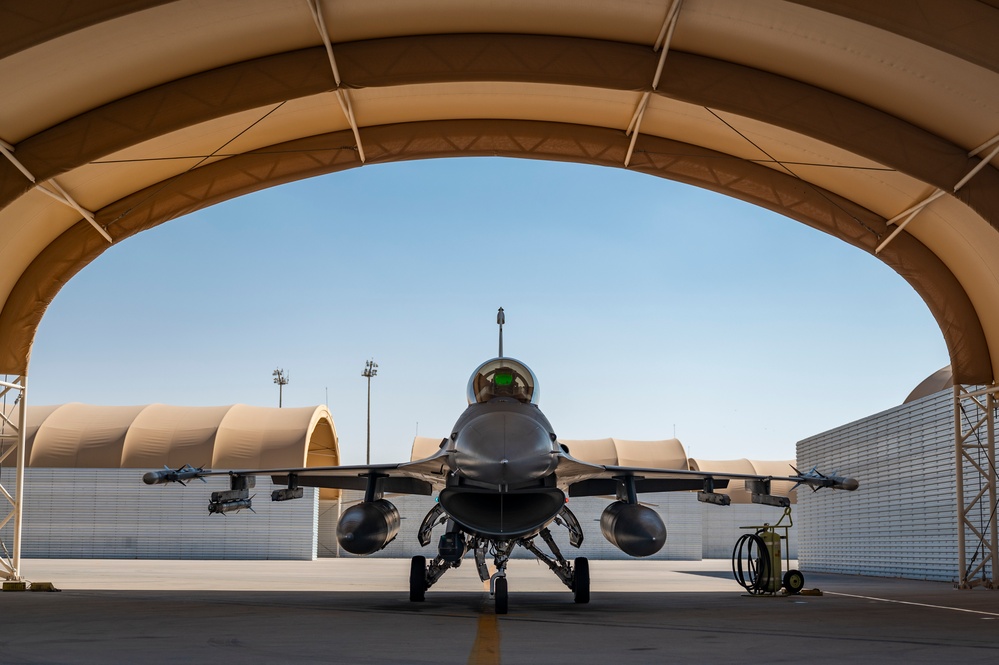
(856, 118)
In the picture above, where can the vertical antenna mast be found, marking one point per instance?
(500, 319)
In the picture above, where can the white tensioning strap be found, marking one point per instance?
(910, 213)
(342, 96)
(663, 41)
(60, 195)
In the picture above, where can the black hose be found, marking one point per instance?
(757, 570)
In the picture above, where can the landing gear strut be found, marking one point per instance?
(455, 543)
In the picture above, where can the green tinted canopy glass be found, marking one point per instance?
(503, 378)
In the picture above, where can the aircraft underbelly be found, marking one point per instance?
(502, 515)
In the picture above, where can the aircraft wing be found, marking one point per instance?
(419, 477)
(580, 478)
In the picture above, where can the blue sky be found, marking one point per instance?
(641, 304)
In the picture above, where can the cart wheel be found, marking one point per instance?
(502, 597)
(581, 580)
(794, 581)
(418, 579)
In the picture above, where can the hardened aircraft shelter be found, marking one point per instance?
(876, 122)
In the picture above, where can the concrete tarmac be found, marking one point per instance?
(358, 611)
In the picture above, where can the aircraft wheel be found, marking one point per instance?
(794, 581)
(502, 597)
(418, 579)
(581, 579)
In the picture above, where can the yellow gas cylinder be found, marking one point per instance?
(772, 581)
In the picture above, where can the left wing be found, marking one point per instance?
(419, 477)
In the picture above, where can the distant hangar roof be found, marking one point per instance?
(146, 437)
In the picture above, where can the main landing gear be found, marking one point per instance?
(455, 543)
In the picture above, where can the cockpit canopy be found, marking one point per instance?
(503, 377)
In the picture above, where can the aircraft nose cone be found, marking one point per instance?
(503, 448)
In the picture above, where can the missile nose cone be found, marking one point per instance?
(152, 478)
(850, 484)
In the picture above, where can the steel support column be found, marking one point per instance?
(12, 441)
(975, 464)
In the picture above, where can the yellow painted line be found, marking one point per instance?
(906, 602)
(486, 649)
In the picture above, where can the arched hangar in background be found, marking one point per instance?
(238, 436)
(877, 123)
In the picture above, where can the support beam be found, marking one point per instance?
(911, 213)
(975, 465)
(662, 41)
(342, 95)
(60, 194)
(10, 560)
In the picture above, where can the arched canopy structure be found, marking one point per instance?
(146, 437)
(857, 118)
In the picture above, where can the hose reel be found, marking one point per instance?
(757, 564)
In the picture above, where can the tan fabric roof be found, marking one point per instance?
(665, 454)
(737, 488)
(841, 114)
(942, 379)
(146, 437)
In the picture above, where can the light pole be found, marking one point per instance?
(281, 379)
(370, 370)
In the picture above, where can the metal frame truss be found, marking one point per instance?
(12, 443)
(975, 451)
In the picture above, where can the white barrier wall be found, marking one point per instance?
(902, 522)
(112, 514)
(721, 527)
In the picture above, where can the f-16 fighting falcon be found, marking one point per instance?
(501, 479)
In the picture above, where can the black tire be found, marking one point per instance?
(502, 596)
(794, 581)
(418, 579)
(581, 580)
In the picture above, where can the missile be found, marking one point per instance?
(223, 507)
(168, 475)
(227, 501)
(816, 480)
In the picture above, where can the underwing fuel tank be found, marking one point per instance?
(368, 526)
(634, 529)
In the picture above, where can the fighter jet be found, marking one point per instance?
(501, 479)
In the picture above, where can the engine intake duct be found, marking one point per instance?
(501, 514)
(368, 526)
(634, 529)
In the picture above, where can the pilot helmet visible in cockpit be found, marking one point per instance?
(502, 377)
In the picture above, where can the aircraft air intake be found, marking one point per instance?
(502, 514)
